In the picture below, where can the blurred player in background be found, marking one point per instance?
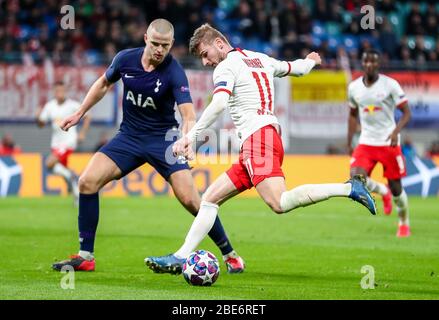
(244, 82)
(8, 147)
(153, 82)
(63, 143)
(374, 98)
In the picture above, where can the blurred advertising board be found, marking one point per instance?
(25, 175)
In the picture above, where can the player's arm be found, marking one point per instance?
(406, 116)
(94, 95)
(298, 67)
(209, 116)
(188, 116)
(223, 79)
(352, 127)
(182, 96)
(85, 126)
(96, 92)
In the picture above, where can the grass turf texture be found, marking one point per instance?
(312, 253)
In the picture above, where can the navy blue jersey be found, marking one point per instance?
(148, 97)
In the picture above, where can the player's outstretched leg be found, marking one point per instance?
(184, 188)
(383, 191)
(359, 193)
(305, 195)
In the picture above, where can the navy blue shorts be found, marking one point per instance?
(131, 151)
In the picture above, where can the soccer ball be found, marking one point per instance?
(201, 268)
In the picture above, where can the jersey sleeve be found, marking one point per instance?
(180, 85)
(398, 95)
(224, 78)
(281, 68)
(352, 103)
(113, 71)
(297, 68)
(45, 114)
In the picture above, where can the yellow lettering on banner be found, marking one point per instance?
(146, 182)
(320, 85)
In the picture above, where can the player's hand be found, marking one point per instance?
(315, 56)
(393, 137)
(70, 121)
(183, 147)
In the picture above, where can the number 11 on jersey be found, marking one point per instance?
(266, 108)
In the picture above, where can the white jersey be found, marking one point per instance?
(376, 108)
(248, 77)
(55, 113)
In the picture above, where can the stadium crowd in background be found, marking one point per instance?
(405, 31)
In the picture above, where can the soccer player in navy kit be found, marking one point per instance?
(153, 82)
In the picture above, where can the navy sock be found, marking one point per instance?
(218, 235)
(88, 220)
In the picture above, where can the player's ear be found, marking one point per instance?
(145, 37)
(218, 43)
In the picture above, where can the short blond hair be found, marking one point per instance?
(162, 26)
(204, 34)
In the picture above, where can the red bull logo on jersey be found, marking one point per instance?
(372, 109)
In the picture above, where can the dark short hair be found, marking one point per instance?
(59, 83)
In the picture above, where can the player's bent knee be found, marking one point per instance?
(276, 207)
(87, 184)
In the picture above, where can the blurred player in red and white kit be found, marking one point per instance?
(63, 143)
(244, 83)
(374, 98)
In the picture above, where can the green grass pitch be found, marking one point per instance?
(315, 252)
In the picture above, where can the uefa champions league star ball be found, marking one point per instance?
(201, 268)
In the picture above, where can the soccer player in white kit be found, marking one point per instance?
(374, 98)
(63, 143)
(243, 82)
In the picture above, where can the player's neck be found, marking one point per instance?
(60, 102)
(369, 80)
(147, 63)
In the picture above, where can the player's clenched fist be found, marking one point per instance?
(314, 56)
(70, 121)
